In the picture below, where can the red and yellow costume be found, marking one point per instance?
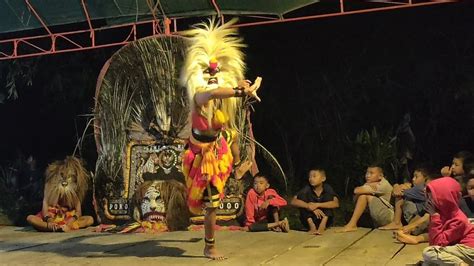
(214, 60)
(146, 227)
(61, 216)
(206, 163)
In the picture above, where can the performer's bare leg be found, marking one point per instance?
(41, 225)
(210, 250)
(361, 204)
(85, 221)
(82, 222)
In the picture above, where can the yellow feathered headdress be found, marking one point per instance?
(214, 42)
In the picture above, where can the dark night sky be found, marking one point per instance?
(295, 59)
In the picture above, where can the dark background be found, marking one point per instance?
(324, 81)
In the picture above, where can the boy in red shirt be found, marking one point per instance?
(261, 208)
(450, 234)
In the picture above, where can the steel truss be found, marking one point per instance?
(90, 37)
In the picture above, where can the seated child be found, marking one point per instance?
(316, 202)
(456, 170)
(414, 233)
(467, 202)
(409, 202)
(261, 208)
(451, 236)
(375, 195)
(468, 165)
(410, 234)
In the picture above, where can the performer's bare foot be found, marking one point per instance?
(347, 228)
(391, 226)
(406, 238)
(66, 228)
(53, 227)
(211, 252)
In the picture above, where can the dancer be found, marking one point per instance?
(214, 77)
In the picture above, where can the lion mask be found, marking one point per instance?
(162, 201)
(66, 182)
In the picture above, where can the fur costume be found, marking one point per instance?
(214, 60)
(159, 206)
(65, 187)
(66, 182)
(222, 44)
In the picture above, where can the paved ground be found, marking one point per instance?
(20, 245)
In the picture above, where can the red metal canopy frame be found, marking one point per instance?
(87, 39)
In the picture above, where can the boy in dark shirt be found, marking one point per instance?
(316, 202)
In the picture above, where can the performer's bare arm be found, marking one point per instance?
(201, 98)
(44, 210)
(45, 207)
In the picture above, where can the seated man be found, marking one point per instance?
(375, 195)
